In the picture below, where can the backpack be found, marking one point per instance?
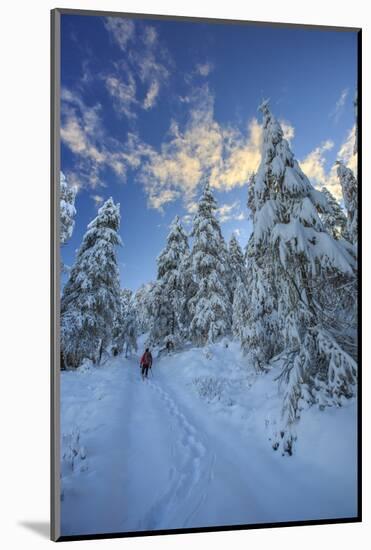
(147, 359)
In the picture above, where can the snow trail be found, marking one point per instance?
(157, 457)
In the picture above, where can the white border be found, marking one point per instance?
(24, 300)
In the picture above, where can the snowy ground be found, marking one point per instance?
(190, 448)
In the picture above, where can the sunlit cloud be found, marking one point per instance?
(201, 146)
(314, 164)
(198, 147)
(346, 151)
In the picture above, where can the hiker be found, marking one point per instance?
(146, 363)
(169, 346)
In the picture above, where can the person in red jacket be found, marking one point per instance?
(146, 363)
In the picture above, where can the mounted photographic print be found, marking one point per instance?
(205, 243)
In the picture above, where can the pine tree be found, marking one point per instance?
(210, 305)
(125, 325)
(239, 310)
(334, 219)
(67, 209)
(236, 263)
(91, 295)
(349, 188)
(141, 304)
(301, 267)
(188, 291)
(167, 294)
(261, 336)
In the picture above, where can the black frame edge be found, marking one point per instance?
(224, 528)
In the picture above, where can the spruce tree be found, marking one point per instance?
(239, 310)
(210, 305)
(261, 334)
(67, 209)
(236, 263)
(125, 325)
(189, 289)
(334, 219)
(91, 295)
(349, 187)
(301, 267)
(168, 292)
(141, 304)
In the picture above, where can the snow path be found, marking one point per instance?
(158, 459)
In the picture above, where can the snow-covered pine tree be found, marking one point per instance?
(236, 263)
(211, 303)
(259, 334)
(125, 325)
(304, 268)
(349, 187)
(67, 209)
(141, 304)
(333, 218)
(167, 296)
(239, 310)
(91, 295)
(189, 289)
(130, 331)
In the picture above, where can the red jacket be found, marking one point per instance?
(146, 360)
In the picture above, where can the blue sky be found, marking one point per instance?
(150, 106)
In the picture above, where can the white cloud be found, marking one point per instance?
(204, 69)
(123, 93)
(152, 94)
(98, 199)
(74, 180)
(147, 62)
(187, 220)
(152, 72)
(346, 151)
(232, 211)
(339, 106)
(122, 30)
(288, 130)
(83, 133)
(149, 36)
